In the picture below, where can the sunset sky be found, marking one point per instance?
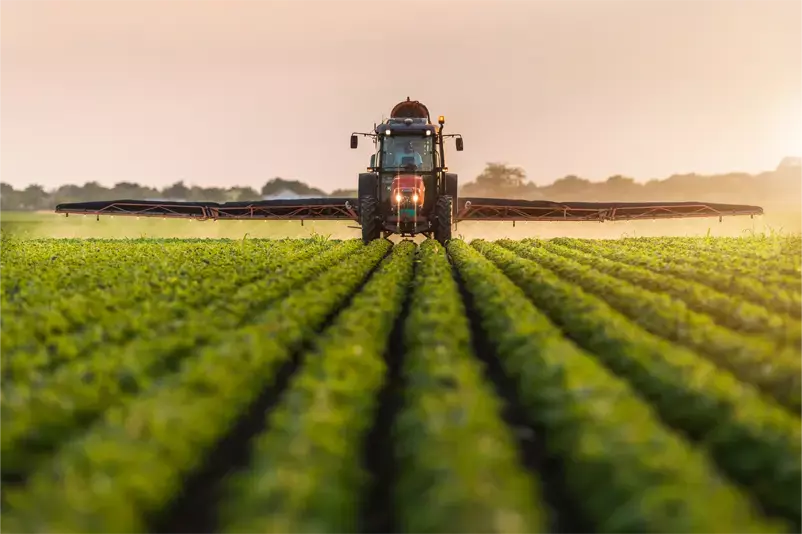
(237, 92)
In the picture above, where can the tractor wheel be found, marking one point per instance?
(369, 219)
(444, 213)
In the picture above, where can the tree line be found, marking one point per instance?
(35, 197)
(778, 187)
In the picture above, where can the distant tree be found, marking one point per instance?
(501, 176)
(277, 185)
(344, 193)
(619, 181)
(133, 191)
(10, 200)
(34, 198)
(497, 180)
(94, 191)
(241, 194)
(570, 185)
(68, 193)
(206, 194)
(618, 188)
(177, 191)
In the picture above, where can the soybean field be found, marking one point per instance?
(319, 385)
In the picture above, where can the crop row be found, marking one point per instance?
(614, 449)
(305, 385)
(726, 308)
(460, 470)
(35, 345)
(779, 294)
(753, 440)
(304, 474)
(43, 413)
(775, 369)
(771, 264)
(151, 443)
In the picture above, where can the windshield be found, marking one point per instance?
(400, 151)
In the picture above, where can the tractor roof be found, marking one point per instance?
(407, 125)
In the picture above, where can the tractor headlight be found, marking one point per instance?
(415, 198)
(398, 197)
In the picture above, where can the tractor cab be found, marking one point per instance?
(407, 153)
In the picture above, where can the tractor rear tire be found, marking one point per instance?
(444, 213)
(369, 219)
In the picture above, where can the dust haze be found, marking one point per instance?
(729, 227)
(49, 225)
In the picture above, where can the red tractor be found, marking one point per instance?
(408, 191)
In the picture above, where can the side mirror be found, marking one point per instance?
(354, 141)
(372, 160)
(459, 144)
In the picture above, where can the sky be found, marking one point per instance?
(236, 92)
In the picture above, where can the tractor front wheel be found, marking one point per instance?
(369, 219)
(444, 213)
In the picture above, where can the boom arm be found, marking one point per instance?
(300, 209)
(468, 209)
(494, 209)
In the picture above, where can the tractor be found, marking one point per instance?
(408, 189)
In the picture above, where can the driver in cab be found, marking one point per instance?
(409, 151)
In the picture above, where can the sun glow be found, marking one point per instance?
(782, 137)
(792, 144)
